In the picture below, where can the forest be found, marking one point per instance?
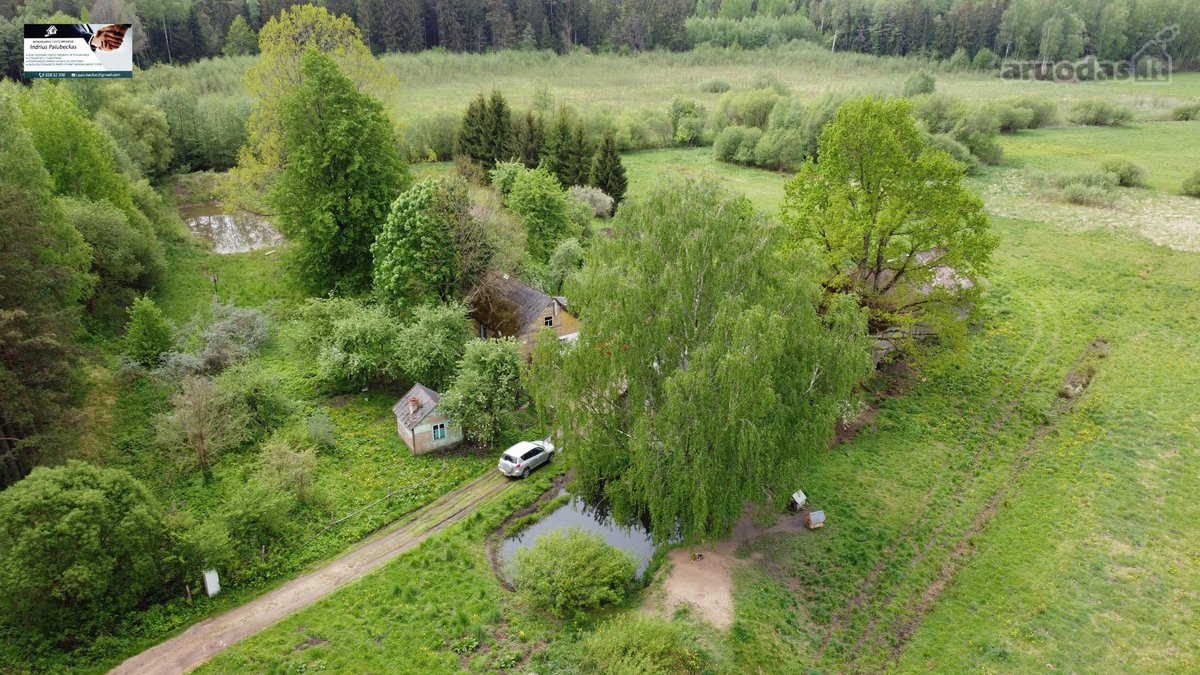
(976, 33)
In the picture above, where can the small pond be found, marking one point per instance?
(634, 540)
(236, 232)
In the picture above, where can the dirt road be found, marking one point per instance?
(202, 641)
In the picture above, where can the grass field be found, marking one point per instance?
(437, 82)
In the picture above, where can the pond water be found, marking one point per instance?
(635, 540)
(236, 232)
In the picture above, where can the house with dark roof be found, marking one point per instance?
(504, 306)
(422, 424)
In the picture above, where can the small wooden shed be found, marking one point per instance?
(422, 424)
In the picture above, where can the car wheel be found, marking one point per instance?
(550, 458)
(525, 473)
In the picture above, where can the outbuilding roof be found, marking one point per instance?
(416, 405)
(507, 305)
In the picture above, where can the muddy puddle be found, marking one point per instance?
(236, 232)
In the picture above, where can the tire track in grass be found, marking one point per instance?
(204, 640)
(956, 498)
(871, 587)
(902, 628)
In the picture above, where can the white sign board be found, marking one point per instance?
(212, 584)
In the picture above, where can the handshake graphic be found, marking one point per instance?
(108, 38)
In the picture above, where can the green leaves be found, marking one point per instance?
(704, 372)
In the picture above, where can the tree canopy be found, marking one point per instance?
(344, 169)
(706, 369)
(889, 219)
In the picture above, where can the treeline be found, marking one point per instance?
(1054, 30)
(81, 236)
(187, 30)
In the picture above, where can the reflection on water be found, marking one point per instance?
(236, 232)
(635, 540)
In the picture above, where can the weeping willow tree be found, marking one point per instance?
(708, 367)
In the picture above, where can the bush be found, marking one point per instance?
(1187, 112)
(641, 644)
(504, 175)
(1128, 174)
(687, 121)
(235, 334)
(287, 469)
(979, 131)
(736, 144)
(715, 85)
(958, 151)
(919, 83)
(571, 571)
(1191, 186)
(600, 203)
(1013, 118)
(538, 198)
(985, 59)
(258, 397)
(431, 342)
(203, 423)
(484, 392)
(1099, 113)
(1045, 111)
(431, 139)
(148, 334)
(644, 129)
(1087, 195)
(750, 108)
(960, 60)
(80, 546)
(354, 342)
(257, 516)
(566, 260)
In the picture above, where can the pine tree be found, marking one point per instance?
(240, 39)
(498, 140)
(530, 139)
(608, 173)
(472, 136)
(576, 158)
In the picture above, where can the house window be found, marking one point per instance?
(439, 431)
(483, 332)
(550, 321)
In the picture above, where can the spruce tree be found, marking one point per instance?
(608, 173)
(557, 142)
(472, 135)
(577, 158)
(498, 141)
(530, 139)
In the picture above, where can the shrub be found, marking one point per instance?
(538, 198)
(235, 334)
(1187, 112)
(736, 144)
(1128, 174)
(287, 469)
(919, 83)
(571, 571)
(432, 341)
(687, 121)
(938, 113)
(1191, 186)
(354, 342)
(715, 85)
(1099, 113)
(148, 334)
(1013, 118)
(80, 545)
(203, 423)
(321, 429)
(504, 175)
(566, 260)
(985, 59)
(960, 60)
(484, 391)
(1045, 111)
(769, 81)
(750, 108)
(258, 397)
(979, 131)
(642, 644)
(644, 129)
(258, 515)
(600, 203)
(958, 151)
(1087, 195)
(431, 139)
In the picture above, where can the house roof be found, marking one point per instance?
(507, 305)
(416, 405)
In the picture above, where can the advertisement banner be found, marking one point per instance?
(78, 50)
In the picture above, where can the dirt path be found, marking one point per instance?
(204, 640)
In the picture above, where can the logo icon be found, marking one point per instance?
(52, 30)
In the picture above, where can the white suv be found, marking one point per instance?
(524, 457)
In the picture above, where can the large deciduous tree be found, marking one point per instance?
(890, 220)
(79, 546)
(484, 392)
(540, 201)
(707, 369)
(344, 169)
(278, 73)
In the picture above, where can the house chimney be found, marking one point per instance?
(414, 404)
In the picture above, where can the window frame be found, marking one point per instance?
(440, 426)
